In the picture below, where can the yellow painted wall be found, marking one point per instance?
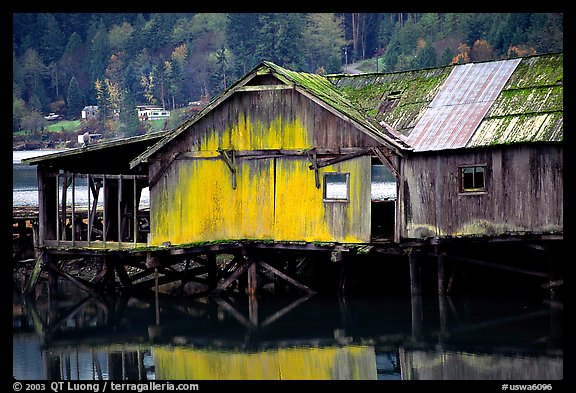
(251, 134)
(301, 213)
(275, 198)
(200, 204)
(352, 362)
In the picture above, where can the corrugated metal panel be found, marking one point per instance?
(460, 106)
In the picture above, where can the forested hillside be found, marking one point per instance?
(65, 61)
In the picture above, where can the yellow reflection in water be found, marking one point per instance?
(351, 362)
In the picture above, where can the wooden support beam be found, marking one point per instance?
(230, 161)
(252, 280)
(123, 275)
(154, 179)
(241, 269)
(346, 157)
(41, 260)
(386, 161)
(79, 282)
(212, 271)
(313, 158)
(417, 316)
(285, 277)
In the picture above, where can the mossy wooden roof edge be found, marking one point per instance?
(314, 86)
(94, 147)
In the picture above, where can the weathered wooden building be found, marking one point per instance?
(280, 156)
(284, 157)
(486, 151)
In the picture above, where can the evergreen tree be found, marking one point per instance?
(74, 99)
(51, 38)
(324, 33)
(242, 31)
(425, 57)
(98, 54)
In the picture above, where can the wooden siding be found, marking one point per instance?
(192, 197)
(272, 119)
(301, 213)
(196, 202)
(524, 192)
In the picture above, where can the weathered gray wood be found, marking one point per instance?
(524, 192)
(241, 269)
(414, 264)
(332, 161)
(285, 277)
(79, 282)
(41, 259)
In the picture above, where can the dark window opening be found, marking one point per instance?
(472, 179)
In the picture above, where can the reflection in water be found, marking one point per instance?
(311, 337)
(325, 363)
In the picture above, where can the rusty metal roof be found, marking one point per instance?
(460, 105)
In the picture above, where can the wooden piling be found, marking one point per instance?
(415, 271)
(252, 280)
(440, 259)
(416, 311)
(41, 260)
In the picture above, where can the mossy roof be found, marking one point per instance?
(529, 107)
(397, 100)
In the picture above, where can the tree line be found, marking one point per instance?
(65, 61)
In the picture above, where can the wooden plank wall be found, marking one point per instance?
(524, 192)
(277, 198)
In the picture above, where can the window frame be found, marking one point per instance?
(325, 188)
(474, 190)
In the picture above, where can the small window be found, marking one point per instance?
(336, 187)
(473, 178)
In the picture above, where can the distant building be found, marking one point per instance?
(90, 113)
(151, 113)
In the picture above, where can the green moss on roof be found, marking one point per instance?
(322, 88)
(534, 71)
(528, 100)
(533, 127)
(530, 107)
(398, 99)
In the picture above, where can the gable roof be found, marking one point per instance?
(316, 87)
(513, 101)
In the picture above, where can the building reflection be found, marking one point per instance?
(132, 337)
